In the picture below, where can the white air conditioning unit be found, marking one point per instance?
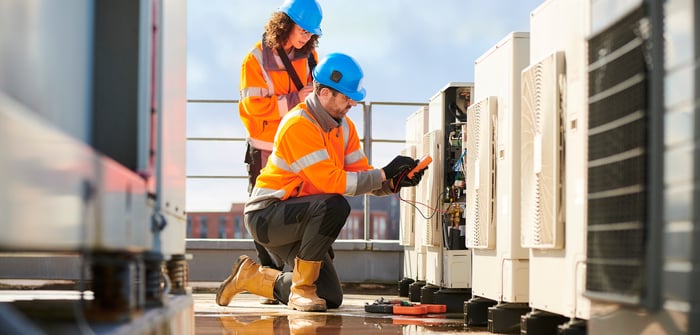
(432, 179)
(558, 262)
(500, 263)
(414, 251)
(480, 175)
(542, 154)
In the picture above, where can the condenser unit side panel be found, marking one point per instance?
(495, 70)
(410, 263)
(516, 279)
(510, 247)
(457, 270)
(560, 288)
(434, 266)
(561, 294)
(507, 279)
(486, 286)
(406, 208)
(421, 263)
(436, 106)
(417, 126)
(421, 212)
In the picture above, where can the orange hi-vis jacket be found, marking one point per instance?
(315, 154)
(267, 92)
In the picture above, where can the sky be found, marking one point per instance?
(408, 50)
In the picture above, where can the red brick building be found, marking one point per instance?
(230, 225)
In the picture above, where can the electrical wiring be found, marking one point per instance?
(414, 203)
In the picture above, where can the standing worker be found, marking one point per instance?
(275, 77)
(297, 207)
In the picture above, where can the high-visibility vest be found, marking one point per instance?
(310, 158)
(267, 93)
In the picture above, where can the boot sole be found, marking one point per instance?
(312, 308)
(234, 271)
(266, 301)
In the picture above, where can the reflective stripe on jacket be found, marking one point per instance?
(267, 92)
(314, 154)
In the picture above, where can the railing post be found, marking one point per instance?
(367, 140)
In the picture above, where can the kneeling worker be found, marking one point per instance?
(297, 207)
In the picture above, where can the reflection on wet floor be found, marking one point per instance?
(321, 324)
(245, 315)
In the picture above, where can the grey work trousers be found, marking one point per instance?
(304, 227)
(255, 159)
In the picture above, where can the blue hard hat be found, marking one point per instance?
(341, 73)
(305, 13)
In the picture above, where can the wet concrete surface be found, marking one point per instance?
(246, 315)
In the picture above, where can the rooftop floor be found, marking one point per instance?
(51, 309)
(246, 315)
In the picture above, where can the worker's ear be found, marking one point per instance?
(326, 92)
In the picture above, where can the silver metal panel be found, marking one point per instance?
(43, 177)
(58, 194)
(45, 58)
(121, 218)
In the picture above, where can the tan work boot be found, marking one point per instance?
(303, 324)
(303, 291)
(267, 301)
(246, 275)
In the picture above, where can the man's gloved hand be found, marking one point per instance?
(406, 182)
(402, 180)
(399, 165)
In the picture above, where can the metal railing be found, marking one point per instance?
(367, 141)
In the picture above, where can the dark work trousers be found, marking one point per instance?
(255, 160)
(304, 227)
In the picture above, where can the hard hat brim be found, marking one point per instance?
(357, 96)
(314, 30)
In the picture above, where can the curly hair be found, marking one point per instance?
(278, 29)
